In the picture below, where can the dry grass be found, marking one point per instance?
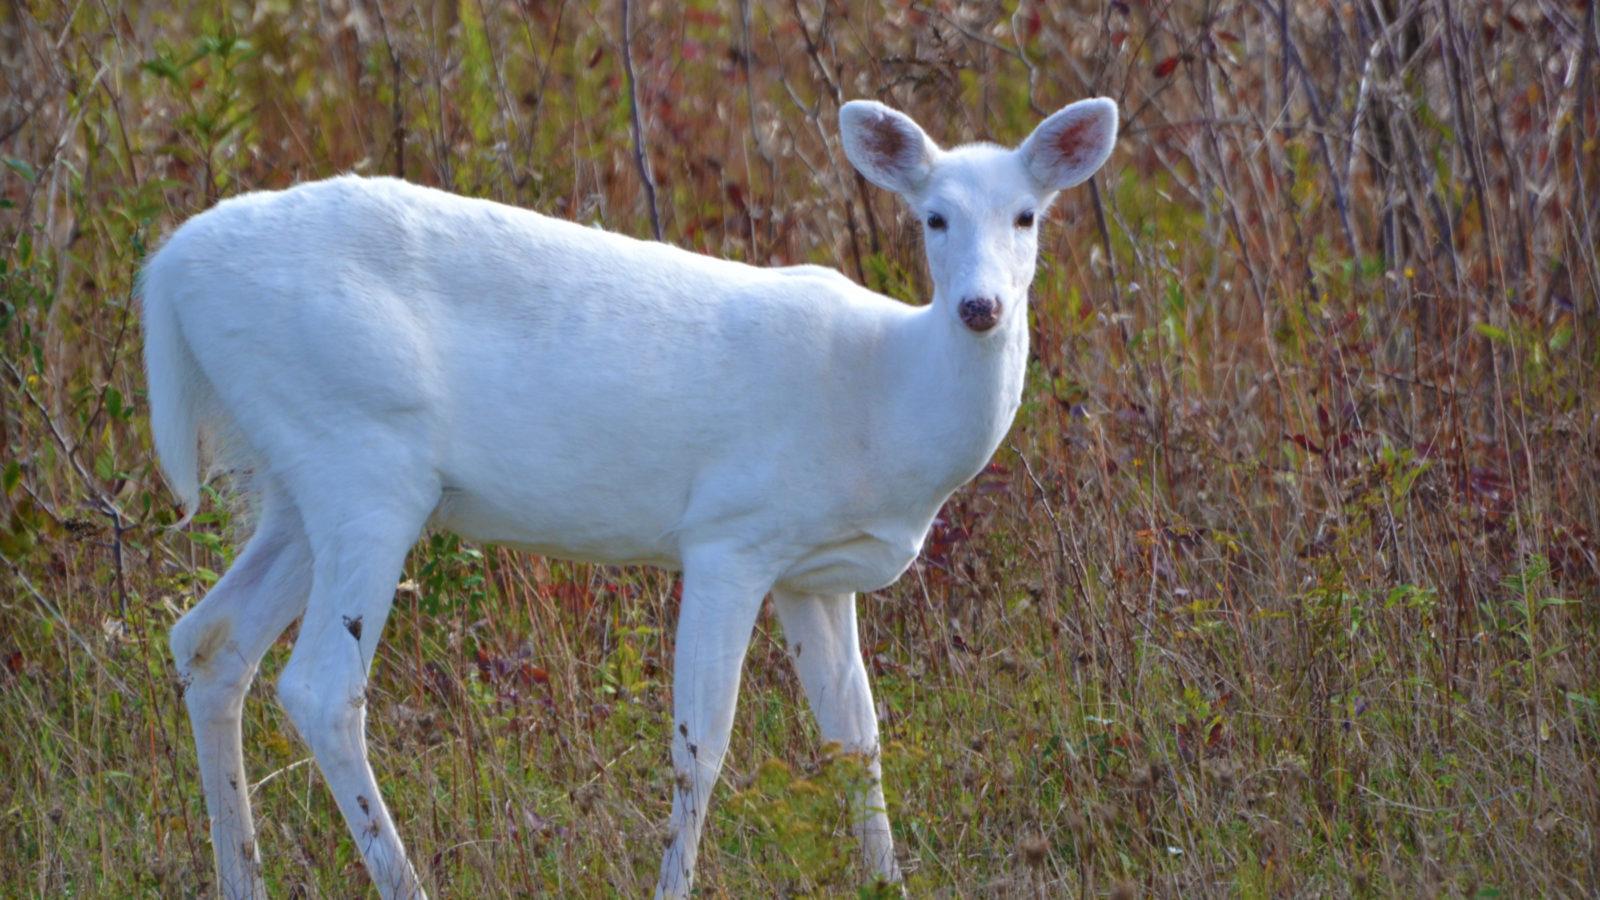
(1285, 583)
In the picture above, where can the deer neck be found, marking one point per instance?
(961, 393)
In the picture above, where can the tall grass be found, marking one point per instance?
(1284, 583)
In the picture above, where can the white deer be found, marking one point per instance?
(382, 358)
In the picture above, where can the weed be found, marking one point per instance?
(1285, 582)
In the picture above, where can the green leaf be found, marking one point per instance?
(1492, 333)
(22, 168)
(1561, 338)
(162, 66)
(206, 539)
(104, 466)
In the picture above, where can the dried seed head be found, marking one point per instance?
(1222, 772)
(1294, 772)
(1270, 836)
(584, 798)
(1008, 772)
(1034, 848)
(1564, 676)
(1145, 776)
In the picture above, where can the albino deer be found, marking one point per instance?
(381, 358)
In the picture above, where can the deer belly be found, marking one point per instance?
(862, 563)
(556, 524)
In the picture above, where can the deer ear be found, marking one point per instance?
(1071, 145)
(886, 146)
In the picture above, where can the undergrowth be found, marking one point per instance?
(1283, 584)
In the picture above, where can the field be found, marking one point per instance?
(1284, 584)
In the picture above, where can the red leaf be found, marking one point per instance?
(1306, 443)
(1215, 734)
(1166, 67)
(1032, 24)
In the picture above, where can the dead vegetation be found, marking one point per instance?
(1285, 582)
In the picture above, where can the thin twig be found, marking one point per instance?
(641, 153)
(746, 52)
(54, 612)
(397, 135)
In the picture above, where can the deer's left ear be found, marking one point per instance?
(1071, 145)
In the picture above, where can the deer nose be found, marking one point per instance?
(980, 313)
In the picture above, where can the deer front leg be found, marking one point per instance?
(719, 611)
(821, 634)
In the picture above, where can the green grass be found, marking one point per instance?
(1284, 583)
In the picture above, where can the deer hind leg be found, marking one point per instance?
(360, 533)
(217, 646)
(821, 634)
(720, 602)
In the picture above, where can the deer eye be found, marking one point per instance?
(1025, 219)
(936, 222)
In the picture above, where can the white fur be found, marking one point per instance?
(382, 357)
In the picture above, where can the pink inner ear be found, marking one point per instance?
(885, 143)
(1076, 142)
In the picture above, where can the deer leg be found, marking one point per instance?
(357, 561)
(821, 634)
(714, 624)
(217, 646)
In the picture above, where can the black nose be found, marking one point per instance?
(980, 313)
